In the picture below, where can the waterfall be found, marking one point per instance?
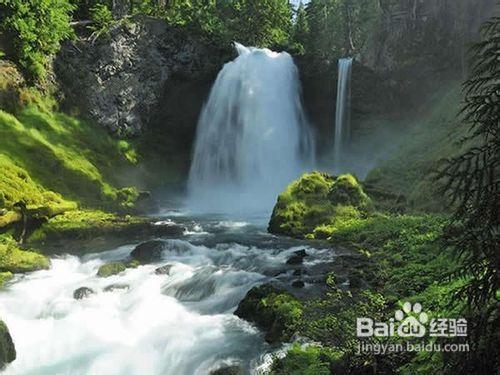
(342, 112)
(252, 137)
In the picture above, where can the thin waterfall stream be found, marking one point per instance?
(342, 112)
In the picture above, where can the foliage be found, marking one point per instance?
(340, 27)
(101, 16)
(309, 360)
(36, 28)
(472, 180)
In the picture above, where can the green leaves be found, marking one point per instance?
(36, 28)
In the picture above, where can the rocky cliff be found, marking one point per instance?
(120, 79)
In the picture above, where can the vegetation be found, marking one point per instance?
(13, 259)
(110, 269)
(472, 180)
(316, 204)
(35, 28)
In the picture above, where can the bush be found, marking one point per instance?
(36, 28)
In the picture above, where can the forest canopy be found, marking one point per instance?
(33, 30)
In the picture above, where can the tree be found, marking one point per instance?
(301, 27)
(36, 28)
(472, 180)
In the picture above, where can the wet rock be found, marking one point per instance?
(167, 228)
(228, 370)
(149, 251)
(110, 269)
(297, 257)
(113, 287)
(82, 293)
(7, 348)
(273, 310)
(298, 284)
(164, 270)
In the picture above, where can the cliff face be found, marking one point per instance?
(120, 79)
(425, 35)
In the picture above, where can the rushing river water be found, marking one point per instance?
(181, 323)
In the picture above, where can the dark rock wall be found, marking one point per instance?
(119, 80)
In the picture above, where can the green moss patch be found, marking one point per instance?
(51, 159)
(110, 269)
(275, 311)
(14, 259)
(316, 204)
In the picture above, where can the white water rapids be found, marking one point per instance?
(252, 138)
(180, 324)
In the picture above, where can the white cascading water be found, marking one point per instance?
(342, 111)
(252, 137)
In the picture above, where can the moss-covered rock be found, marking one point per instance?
(316, 204)
(310, 360)
(110, 269)
(7, 348)
(4, 277)
(273, 310)
(14, 259)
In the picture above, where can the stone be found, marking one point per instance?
(297, 257)
(113, 287)
(7, 348)
(164, 270)
(298, 284)
(110, 269)
(82, 292)
(228, 370)
(149, 251)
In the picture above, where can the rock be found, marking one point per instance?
(228, 370)
(167, 228)
(82, 292)
(7, 348)
(298, 284)
(113, 287)
(111, 269)
(120, 80)
(149, 251)
(273, 310)
(297, 257)
(164, 270)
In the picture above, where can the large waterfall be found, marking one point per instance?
(342, 112)
(252, 137)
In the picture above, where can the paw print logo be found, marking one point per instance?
(411, 326)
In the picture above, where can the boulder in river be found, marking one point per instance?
(110, 269)
(149, 251)
(164, 270)
(113, 287)
(82, 292)
(273, 310)
(7, 349)
(228, 370)
(297, 257)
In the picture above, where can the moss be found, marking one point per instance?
(110, 269)
(52, 159)
(316, 204)
(4, 277)
(275, 311)
(7, 349)
(346, 190)
(84, 224)
(14, 259)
